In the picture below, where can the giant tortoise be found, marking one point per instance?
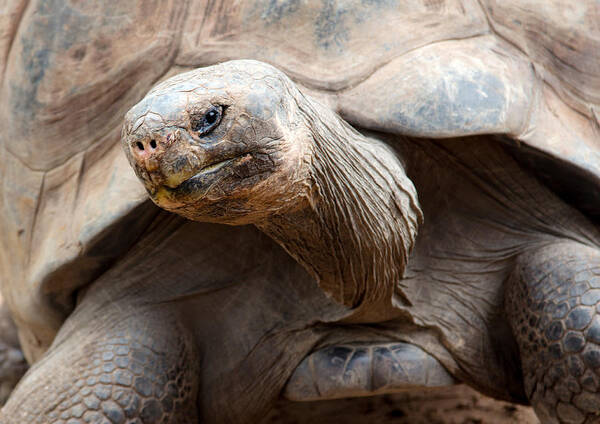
(467, 252)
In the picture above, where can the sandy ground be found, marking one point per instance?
(455, 405)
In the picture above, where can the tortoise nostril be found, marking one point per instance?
(153, 144)
(140, 145)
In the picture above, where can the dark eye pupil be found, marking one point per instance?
(204, 124)
(211, 117)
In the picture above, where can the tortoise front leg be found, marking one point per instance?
(553, 305)
(115, 365)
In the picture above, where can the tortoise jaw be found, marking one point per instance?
(208, 169)
(197, 184)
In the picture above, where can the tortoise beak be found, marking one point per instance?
(170, 162)
(166, 158)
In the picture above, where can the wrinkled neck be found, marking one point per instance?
(358, 221)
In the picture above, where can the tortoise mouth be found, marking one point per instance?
(208, 169)
(209, 175)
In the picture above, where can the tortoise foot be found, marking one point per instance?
(364, 370)
(552, 301)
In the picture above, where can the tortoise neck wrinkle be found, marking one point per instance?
(359, 221)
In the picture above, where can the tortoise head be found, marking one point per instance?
(238, 143)
(219, 144)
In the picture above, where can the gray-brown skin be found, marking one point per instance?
(238, 143)
(72, 211)
(12, 362)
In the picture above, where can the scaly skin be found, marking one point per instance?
(553, 304)
(136, 367)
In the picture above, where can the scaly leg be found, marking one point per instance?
(111, 365)
(553, 305)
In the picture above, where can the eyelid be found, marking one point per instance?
(201, 120)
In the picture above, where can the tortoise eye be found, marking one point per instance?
(207, 122)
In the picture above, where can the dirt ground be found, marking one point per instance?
(455, 405)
